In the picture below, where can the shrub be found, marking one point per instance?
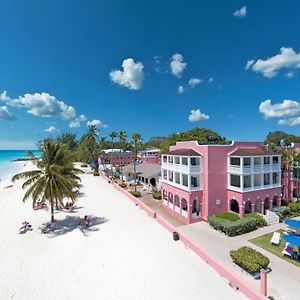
(249, 259)
(228, 215)
(123, 185)
(156, 195)
(282, 212)
(294, 208)
(233, 228)
(136, 194)
(96, 173)
(259, 220)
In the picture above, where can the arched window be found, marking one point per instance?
(184, 205)
(234, 206)
(170, 197)
(196, 207)
(257, 206)
(248, 207)
(176, 198)
(165, 194)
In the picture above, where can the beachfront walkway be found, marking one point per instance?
(130, 257)
(283, 281)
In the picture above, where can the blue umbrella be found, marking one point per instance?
(292, 223)
(292, 239)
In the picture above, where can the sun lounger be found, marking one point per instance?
(275, 238)
(288, 250)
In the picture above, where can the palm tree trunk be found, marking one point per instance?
(52, 211)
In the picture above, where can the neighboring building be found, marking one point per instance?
(201, 180)
(151, 156)
(116, 158)
(147, 173)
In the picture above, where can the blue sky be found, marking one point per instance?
(61, 64)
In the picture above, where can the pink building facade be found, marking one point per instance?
(150, 156)
(201, 180)
(116, 158)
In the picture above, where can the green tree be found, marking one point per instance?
(55, 179)
(136, 142)
(68, 139)
(112, 135)
(275, 137)
(122, 145)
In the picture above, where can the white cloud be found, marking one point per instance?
(44, 105)
(5, 114)
(270, 67)
(131, 76)
(249, 64)
(196, 115)
(211, 79)
(97, 123)
(194, 81)
(241, 13)
(180, 89)
(177, 65)
(289, 74)
(287, 108)
(4, 97)
(52, 129)
(76, 122)
(290, 122)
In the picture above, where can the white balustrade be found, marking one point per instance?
(184, 213)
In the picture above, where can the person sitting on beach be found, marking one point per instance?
(85, 221)
(25, 227)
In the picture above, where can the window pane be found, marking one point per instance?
(235, 180)
(235, 161)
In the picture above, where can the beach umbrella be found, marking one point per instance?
(292, 223)
(292, 239)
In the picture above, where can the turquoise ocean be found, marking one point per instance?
(7, 167)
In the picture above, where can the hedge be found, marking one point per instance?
(249, 259)
(294, 208)
(136, 194)
(156, 195)
(123, 185)
(238, 227)
(228, 215)
(96, 173)
(282, 212)
(260, 221)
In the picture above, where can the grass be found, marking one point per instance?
(264, 242)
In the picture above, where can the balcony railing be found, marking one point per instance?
(182, 187)
(181, 168)
(253, 169)
(254, 188)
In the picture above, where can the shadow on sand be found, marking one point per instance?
(71, 223)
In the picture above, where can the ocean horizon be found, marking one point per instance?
(9, 167)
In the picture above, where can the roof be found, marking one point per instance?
(251, 152)
(184, 152)
(144, 169)
(118, 154)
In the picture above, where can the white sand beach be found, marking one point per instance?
(129, 256)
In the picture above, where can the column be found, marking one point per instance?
(190, 208)
(252, 207)
(241, 210)
(252, 181)
(263, 282)
(228, 205)
(189, 181)
(270, 204)
(262, 207)
(242, 181)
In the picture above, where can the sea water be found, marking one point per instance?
(9, 167)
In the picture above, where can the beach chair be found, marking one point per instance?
(288, 250)
(275, 238)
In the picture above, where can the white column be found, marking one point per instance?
(252, 163)
(252, 181)
(180, 178)
(189, 181)
(242, 164)
(242, 181)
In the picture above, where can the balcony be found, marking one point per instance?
(181, 168)
(254, 188)
(253, 168)
(183, 187)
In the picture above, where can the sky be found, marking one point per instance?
(153, 67)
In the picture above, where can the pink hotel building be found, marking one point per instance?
(201, 180)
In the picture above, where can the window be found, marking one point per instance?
(177, 178)
(257, 180)
(177, 160)
(171, 178)
(184, 161)
(165, 174)
(247, 161)
(266, 160)
(195, 181)
(275, 178)
(184, 204)
(266, 179)
(185, 180)
(247, 181)
(235, 180)
(195, 161)
(275, 159)
(170, 159)
(235, 161)
(257, 161)
(165, 158)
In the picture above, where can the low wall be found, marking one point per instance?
(232, 277)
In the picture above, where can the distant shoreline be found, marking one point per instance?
(22, 159)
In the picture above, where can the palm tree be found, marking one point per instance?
(112, 135)
(55, 179)
(136, 141)
(122, 144)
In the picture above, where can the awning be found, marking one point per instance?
(292, 223)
